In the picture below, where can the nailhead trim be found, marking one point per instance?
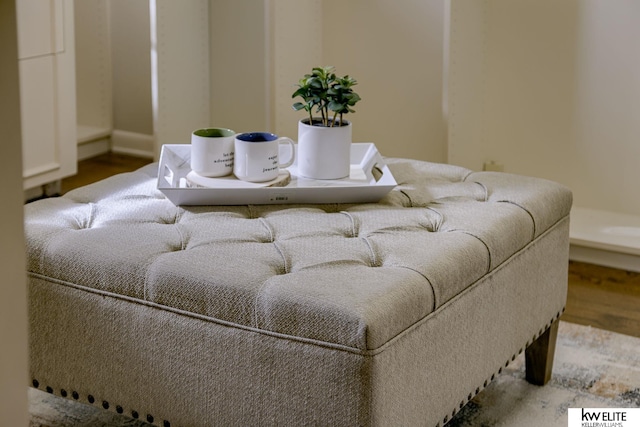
(165, 423)
(91, 399)
(486, 382)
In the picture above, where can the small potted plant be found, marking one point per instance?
(324, 140)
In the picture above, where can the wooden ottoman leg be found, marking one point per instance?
(539, 356)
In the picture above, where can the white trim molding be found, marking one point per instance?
(132, 143)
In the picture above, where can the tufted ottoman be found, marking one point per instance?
(388, 314)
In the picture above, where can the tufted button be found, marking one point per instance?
(119, 409)
(75, 395)
(149, 418)
(91, 399)
(35, 383)
(105, 404)
(135, 414)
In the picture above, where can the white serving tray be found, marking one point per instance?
(369, 181)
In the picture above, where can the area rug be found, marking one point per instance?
(592, 369)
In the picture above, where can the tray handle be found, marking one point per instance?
(172, 169)
(377, 172)
(373, 164)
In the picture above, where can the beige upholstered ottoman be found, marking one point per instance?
(387, 314)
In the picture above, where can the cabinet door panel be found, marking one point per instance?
(40, 27)
(38, 109)
(47, 90)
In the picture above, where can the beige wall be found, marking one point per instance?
(113, 65)
(296, 48)
(131, 65)
(239, 65)
(549, 88)
(546, 88)
(93, 64)
(259, 50)
(393, 49)
(13, 299)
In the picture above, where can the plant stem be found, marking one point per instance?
(333, 121)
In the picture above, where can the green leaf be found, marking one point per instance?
(298, 106)
(323, 91)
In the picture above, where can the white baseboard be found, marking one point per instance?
(93, 141)
(605, 238)
(93, 148)
(132, 143)
(605, 258)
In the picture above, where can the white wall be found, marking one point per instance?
(296, 47)
(181, 95)
(131, 65)
(550, 89)
(607, 120)
(393, 49)
(13, 298)
(93, 65)
(239, 64)
(259, 50)
(113, 67)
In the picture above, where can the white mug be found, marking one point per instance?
(212, 151)
(257, 156)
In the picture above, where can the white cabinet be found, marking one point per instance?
(47, 90)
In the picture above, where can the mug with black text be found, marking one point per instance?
(212, 151)
(257, 156)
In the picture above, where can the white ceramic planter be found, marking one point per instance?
(324, 152)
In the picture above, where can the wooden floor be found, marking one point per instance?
(100, 167)
(602, 297)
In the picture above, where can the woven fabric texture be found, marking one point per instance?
(391, 313)
(352, 275)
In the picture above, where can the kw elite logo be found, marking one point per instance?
(604, 417)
